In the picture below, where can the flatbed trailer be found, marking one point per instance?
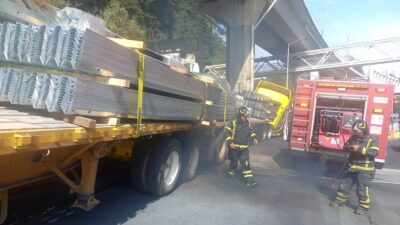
(35, 147)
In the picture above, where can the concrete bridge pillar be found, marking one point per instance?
(240, 16)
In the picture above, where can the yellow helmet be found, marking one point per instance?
(242, 111)
(360, 126)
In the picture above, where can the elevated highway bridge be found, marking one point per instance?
(285, 29)
(271, 24)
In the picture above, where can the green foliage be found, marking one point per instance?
(58, 3)
(160, 20)
(119, 21)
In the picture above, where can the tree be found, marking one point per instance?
(119, 21)
(182, 19)
(157, 20)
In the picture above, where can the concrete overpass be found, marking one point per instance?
(249, 22)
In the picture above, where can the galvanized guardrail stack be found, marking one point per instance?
(168, 95)
(261, 106)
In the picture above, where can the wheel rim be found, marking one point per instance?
(269, 133)
(194, 160)
(285, 132)
(222, 152)
(171, 168)
(264, 135)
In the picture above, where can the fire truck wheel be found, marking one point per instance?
(191, 156)
(139, 162)
(164, 167)
(220, 149)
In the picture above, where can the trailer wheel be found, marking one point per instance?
(164, 167)
(220, 149)
(140, 159)
(191, 157)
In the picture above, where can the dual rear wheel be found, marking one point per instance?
(156, 169)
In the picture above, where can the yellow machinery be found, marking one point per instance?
(278, 94)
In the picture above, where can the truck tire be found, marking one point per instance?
(139, 163)
(191, 156)
(262, 134)
(287, 126)
(285, 131)
(268, 132)
(220, 149)
(164, 167)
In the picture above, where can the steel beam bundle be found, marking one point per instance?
(42, 85)
(89, 53)
(169, 95)
(216, 93)
(74, 96)
(95, 99)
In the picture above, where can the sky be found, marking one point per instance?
(352, 21)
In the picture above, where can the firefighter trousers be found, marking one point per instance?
(242, 156)
(362, 180)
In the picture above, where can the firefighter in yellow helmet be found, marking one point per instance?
(239, 134)
(361, 169)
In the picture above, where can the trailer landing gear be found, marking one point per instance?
(89, 157)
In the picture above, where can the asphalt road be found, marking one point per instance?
(293, 188)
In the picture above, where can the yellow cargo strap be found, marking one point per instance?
(140, 76)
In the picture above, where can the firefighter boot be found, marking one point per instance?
(336, 204)
(339, 200)
(250, 182)
(361, 211)
(231, 173)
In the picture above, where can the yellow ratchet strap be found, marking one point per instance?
(140, 76)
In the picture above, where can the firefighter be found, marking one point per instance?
(239, 134)
(361, 168)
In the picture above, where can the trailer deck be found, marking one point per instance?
(20, 130)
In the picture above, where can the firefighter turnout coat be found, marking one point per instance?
(362, 153)
(239, 133)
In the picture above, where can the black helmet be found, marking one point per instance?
(242, 111)
(360, 126)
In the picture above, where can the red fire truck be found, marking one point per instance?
(325, 110)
